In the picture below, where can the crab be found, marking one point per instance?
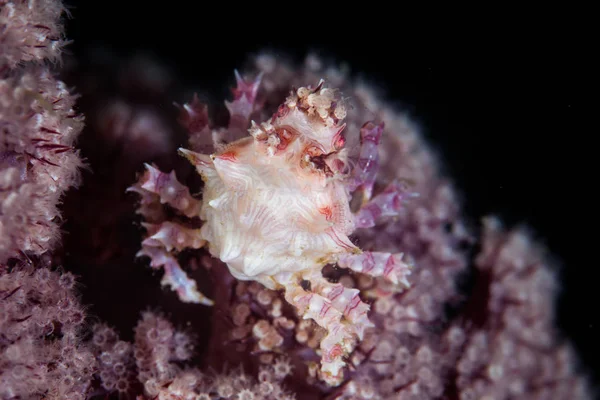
(275, 208)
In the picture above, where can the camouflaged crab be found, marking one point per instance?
(276, 209)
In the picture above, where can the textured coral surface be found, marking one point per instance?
(38, 129)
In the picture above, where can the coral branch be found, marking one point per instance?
(38, 129)
(41, 323)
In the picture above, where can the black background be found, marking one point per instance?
(499, 93)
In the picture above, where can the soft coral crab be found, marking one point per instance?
(276, 209)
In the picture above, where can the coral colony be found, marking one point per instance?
(332, 243)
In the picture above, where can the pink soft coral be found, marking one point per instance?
(38, 128)
(41, 324)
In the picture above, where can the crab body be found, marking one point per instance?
(271, 205)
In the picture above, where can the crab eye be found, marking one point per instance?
(314, 158)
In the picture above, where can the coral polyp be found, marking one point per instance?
(276, 209)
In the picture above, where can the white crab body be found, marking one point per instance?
(264, 217)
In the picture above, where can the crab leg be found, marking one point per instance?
(169, 190)
(345, 300)
(174, 276)
(341, 333)
(363, 175)
(386, 204)
(149, 207)
(388, 265)
(172, 236)
(163, 237)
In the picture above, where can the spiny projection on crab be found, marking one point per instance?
(276, 209)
